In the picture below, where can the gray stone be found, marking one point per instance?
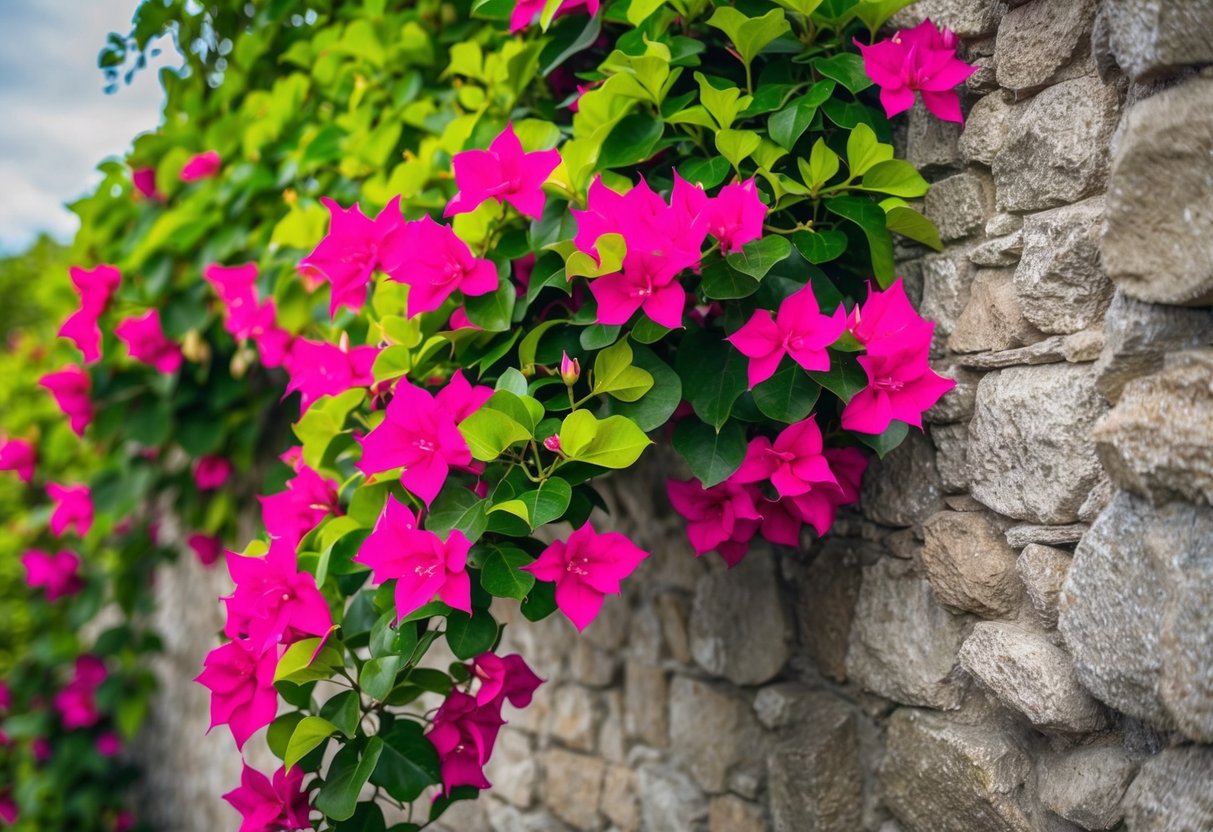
(734, 738)
(574, 717)
(1160, 199)
(572, 787)
(645, 713)
(903, 644)
(674, 612)
(1086, 785)
(952, 442)
(1004, 223)
(1057, 149)
(958, 403)
(938, 776)
(1136, 612)
(1172, 793)
(987, 127)
(998, 252)
(1163, 464)
(669, 800)
(815, 780)
(969, 564)
(731, 814)
(512, 769)
(619, 802)
(1046, 472)
(946, 279)
(904, 488)
(1027, 533)
(739, 629)
(825, 605)
(993, 318)
(1043, 570)
(1028, 674)
(1035, 40)
(501, 818)
(967, 18)
(959, 205)
(1140, 334)
(782, 704)
(593, 666)
(1060, 284)
(931, 143)
(1152, 38)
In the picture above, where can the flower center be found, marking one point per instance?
(426, 571)
(888, 383)
(576, 566)
(425, 445)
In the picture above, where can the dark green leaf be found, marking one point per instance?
(789, 395)
(722, 282)
(846, 68)
(347, 774)
(409, 764)
(713, 456)
(493, 312)
(882, 443)
(501, 576)
(706, 172)
(631, 141)
(470, 635)
(845, 377)
(713, 375)
(820, 246)
(757, 257)
(457, 508)
(870, 218)
(342, 710)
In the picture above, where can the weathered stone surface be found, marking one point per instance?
(1035, 40)
(1151, 38)
(1136, 612)
(1178, 460)
(825, 606)
(903, 644)
(998, 252)
(1043, 570)
(782, 704)
(942, 777)
(593, 666)
(1086, 785)
(674, 612)
(574, 712)
(969, 564)
(619, 802)
(967, 18)
(1027, 533)
(732, 814)
(669, 800)
(710, 755)
(904, 488)
(958, 403)
(1140, 334)
(1172, 793)
(645, 713)
(1160, 200)
(815, 782)
(1059, 281)
(959, 205)
(1057, 149)
(1030, 675)
(572, 786)
(512, 769)
(993, 318)
(931, 143)
(1030, 451)
(946, 279)
(501, 817)
(987, 127)
(739, 630)
(952, 442)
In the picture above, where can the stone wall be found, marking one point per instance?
(1016, 632)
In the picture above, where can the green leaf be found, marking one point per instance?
(389, 639)
(655, 407)
(713, 375)
(801, 7)
(713, 455)
(540, 601)
(308, 734)
(457, 508)
(706, 172)
(787, 125)
(724, 105)
(870, 218)
(368, 817)
(895, 177)
(547, 502)
(614, 374)
(494, 311)
(613, 442)
(323, 421)
(639, 10)
(297, 665)
(523, 409)
(513, 381)
(343, 711)
(904, 220)
(845, 377)
(758, 256)
(822, 166)
(501, 576)
(378, 676)
(820, 246)
(865, 151)
(470, 635)
(787, 396)
(875, 13)
(885, 442)
(279, 733)
(846, 68)
(347, 774)
(750, 35)
(737, 145)
(630, 142)
(488, 432)
(720, 281)
(409, 763)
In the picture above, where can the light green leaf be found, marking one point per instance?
(308, 734)
(724, 105)
(298, 666)
(865, 151)
(737, 145)
(895, 177)
(907, 222)
(489, 432)
(822, 166)
(615, 374)
(613, 442)
(750, 34)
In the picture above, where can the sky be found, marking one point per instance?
(56, 121)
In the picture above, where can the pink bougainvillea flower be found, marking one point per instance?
(419, 435)
(526, 11)
(887, 321)
(922, 59)
(145, 339)
(70, 388)
(901, 385)
(586, 568)
(207, 548)
(798, 329)
(504, 173)
(211, 472)
(108, 744)
(202, 166)
(6, 697)
(434, 263)
(317, 368)
(41, 748)
(267, 805)
(350, 252)
(234, 285)
(273, 601)
(848, 465)
(504, 678)
(95, 287)
(463, 733)
(735, 216)
(10, 813)
(57, 574)
(144, 180)
(273, 343)
(241, 681)
(646, 283)
(73, 507)
(424, 565)
(19, 456)
(77, 702)
(308, 499)
(722, 517)
(461, 399)
(460, 320)
(782, 519)
(793, 463)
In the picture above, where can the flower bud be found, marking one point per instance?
(570, 369)
(552, 443)
(195, 348)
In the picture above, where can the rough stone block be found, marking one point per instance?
(958, 404)
(1031, 676)
(1037, 39)
(645, 714)
(512, 769)
(1085, 786)
(1160, 199)
(969, 564)
(1049, 468)
(1043, 570)
(709, 754)
(669, 800)
(993, 318)
(903, 644)
(1057, 149)
(967, 18)
(619, 802)
(815, 780)
(952, 442)
(1172, 793)
(931, 143)
(938, 776)
(946, 279)
(574, 717)
(1175, 461)
(1138, 335)
(904, 488)
(572, 787)
(825, 605)
(987, 127)
(1153, 38)
(959, 205)
(732, 814)
(1061, 286)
